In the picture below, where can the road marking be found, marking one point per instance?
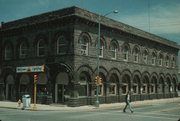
(134, 114)
(166, 109)
(92, 114)
(166, 114)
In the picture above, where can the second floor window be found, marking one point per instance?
(61, 45)
(113, 50)
(101, 48)
(125, 52)
(173, 62)
(136, 55)
(41, 48)
(84, 45)
(153, 60)
(161, 60)
(23, 50)
(8, 52)
(167, 61)
(145, 57)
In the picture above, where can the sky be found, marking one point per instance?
(160, 17)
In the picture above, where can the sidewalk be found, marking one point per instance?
(58, 107)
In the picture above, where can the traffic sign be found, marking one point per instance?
(24, 69)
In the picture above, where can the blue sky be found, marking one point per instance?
(163, 18)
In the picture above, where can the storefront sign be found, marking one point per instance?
(30, 69)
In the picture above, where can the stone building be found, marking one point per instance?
(65, 41)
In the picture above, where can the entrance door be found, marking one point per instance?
(61, 84)
(60, 94)
(10, 87)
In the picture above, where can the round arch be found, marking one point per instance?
(146, 75)
(116, 43)
(85, 34)
(137, 73)
(154, 77)
(87, 69)
(114, 71)
(125, 44)
(127, 73)
(10, 87)
(24, 79)
(102, 70)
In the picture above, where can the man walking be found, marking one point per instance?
(128, 100)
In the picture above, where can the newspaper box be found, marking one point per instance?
(26, 101)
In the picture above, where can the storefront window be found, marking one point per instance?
(101, 87)
(124, 89)
(83, 89)
(112, 89)
(41, 90)
(144, 88)
(135, 89)
(152, 88)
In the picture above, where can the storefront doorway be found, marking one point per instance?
(10, 88)
(61, 88)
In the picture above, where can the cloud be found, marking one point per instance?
(163, 19)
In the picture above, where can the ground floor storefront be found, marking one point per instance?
(61, 84)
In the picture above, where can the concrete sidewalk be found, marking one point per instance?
(58, 107)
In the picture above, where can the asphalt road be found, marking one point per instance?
(146, 112)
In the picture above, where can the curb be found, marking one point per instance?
(102, 106)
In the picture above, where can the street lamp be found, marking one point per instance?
(98, 51)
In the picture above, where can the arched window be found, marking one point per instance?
(153, 86)
(160, 60)
(125, 53)
(145, 85)
(8, 52)
(61, 45)
(125, 83)
(112, 90)
(113, 50)
(174, 85)
(145, 57)
(84, 45)
(173, 62)
(167, 61)
(136, 54)
(23, 49)
(101, 48)
(84, 80)
(153, 60)
(41, 48)
(136, 84)
(162, 85)
(169, 85)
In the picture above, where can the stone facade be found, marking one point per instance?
(65, 42)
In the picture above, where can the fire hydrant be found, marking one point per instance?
(19, 103)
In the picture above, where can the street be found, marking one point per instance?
(145, 112)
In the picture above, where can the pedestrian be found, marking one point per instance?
(128, 100)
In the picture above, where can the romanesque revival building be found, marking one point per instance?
(65, 41)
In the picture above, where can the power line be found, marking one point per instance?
(149, 17)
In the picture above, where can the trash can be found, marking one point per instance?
(26, 101)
